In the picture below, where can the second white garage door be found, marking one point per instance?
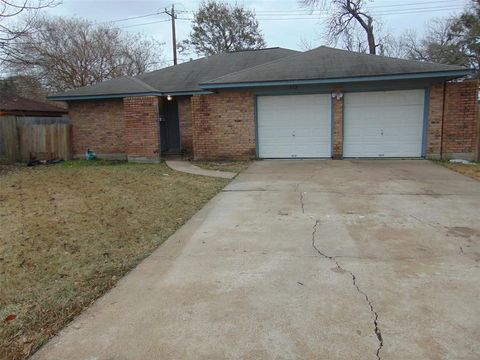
(294, 126)
(383, 124)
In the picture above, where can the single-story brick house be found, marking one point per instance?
(280, 103)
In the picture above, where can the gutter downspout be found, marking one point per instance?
(443, 119)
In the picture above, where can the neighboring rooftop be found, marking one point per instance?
(329, 63)
(10, 103)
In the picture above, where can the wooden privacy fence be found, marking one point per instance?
(23, 139)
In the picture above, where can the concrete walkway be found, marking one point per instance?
(304, 260)
(188, 167)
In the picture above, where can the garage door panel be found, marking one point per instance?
(392, 98)
(294, 126)
(383, 124)
(277, 152)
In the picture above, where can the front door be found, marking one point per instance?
(170, 130)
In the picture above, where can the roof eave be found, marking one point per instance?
(100, 96)
(452, 74)
(187, 93)
(122, 95)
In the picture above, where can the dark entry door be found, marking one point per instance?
(171, 128)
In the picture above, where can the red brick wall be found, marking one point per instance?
(98, 125)
(223, 125)
(459, 120)
(435, 112)
(337, 128)
(460, 128)
(185, 120)
(142, 133)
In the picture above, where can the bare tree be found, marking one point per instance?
(465, 32)
(10, 10)
(305, 44)
(453, 40)
(346, 18)
(353, 40)
(24, 85)
(436, 45)
(66, 53)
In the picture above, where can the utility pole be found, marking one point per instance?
(174, 36)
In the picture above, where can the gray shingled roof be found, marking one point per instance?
(183, 77)
(253, 66)
(186, 76)
(329, 63)
(121, 85)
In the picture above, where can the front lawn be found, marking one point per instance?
(70, 231)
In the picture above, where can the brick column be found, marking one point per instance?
(459, 114)
(435, 112)
(337, 109)
(460, 120)
(142, 132)
(185, 121)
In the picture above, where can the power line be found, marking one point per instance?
(403, 8)
(131, 18)
(296, 13)
(416, 3)
(309, 11)
(384, 13)
(142, 24)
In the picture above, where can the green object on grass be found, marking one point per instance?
(90, 155)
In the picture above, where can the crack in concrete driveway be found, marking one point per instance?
(376, 329)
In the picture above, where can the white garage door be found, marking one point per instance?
(383, 124)
(294, 126)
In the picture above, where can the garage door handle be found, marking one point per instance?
(293, 133)
(381, 132)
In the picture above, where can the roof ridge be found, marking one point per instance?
(254, 67)
(140, 82)
(384, 56)
(172, 66)
(210, 56)
(244, 50)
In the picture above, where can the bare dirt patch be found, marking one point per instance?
(70, 231)
(6, 168)
(470, 170)
(231, 166)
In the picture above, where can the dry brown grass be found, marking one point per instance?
(70, 231)
(471, 170)
(6, 168)
(231, 166)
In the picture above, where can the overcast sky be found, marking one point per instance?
(283, 22)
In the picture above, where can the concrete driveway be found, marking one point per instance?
(304, 260)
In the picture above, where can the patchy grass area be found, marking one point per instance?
(471, 170)
(70, 231)
(231, 166)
